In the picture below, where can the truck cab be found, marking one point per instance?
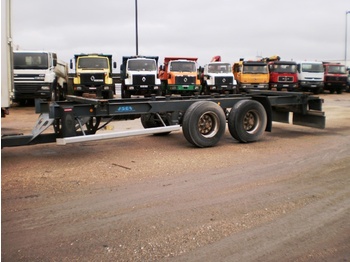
(310, 76)
(251, 75)
(35, 76)
(217, 77)
(93, 75)
(179, 76)
(283, 75)
(139, 76)
(335, 77)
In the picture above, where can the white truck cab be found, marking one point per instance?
(310, 76)
(36, 76)
(217, 77)
(140, 76)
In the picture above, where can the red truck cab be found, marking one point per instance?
(335, 77)
(283, 75)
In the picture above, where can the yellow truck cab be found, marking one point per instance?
(251, 75)
(93, 75)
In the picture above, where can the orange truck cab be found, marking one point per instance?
(179, 75)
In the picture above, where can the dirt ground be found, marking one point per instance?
(150, 198)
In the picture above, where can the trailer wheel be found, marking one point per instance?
(247, 121)
(204, 124)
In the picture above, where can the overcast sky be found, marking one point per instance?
(294, 30)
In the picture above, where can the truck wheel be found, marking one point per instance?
(54, 96)
(63, 93)
(204, 124)
(107, 94)
(125, 94)
(247, 121)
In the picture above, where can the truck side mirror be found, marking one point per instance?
(71, 64)
(114, 64)
(54, 58)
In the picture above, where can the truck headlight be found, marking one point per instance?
(106, 88)
(45, 88)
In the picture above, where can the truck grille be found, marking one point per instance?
(285, 79)
(143, 79)
(92, 79)
(26, 88)
(185, 80)
(28, 77)
(223, 80)
(336, 79)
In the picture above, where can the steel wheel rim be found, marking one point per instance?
(208, 124)
(251, 121)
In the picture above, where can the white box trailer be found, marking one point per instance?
(6, 57)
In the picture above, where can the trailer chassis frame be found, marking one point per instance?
(68, 117)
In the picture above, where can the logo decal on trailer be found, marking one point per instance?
(125, 109)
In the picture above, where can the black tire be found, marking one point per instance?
(54, 94)
(107, 94)
(204, 124)
(63, 93)
(247, 121)
(125, 93)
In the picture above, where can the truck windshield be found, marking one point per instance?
(183, 66)
(312, 68)
(283, 68)
(93, 63)
(142, 65)
(336, 69)
(219, 68)
(30, 60)
(255, 69)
